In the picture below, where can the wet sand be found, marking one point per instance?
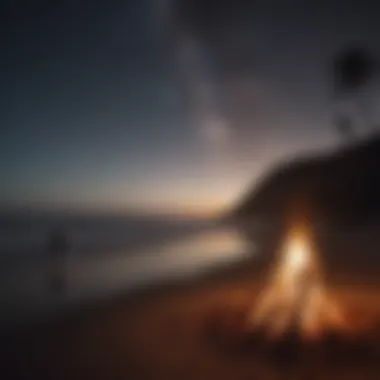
(167, 333)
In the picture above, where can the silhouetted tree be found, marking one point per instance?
(353, 69)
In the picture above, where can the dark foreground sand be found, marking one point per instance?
(167, 333)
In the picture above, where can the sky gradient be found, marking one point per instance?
(151, 105)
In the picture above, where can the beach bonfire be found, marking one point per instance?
(295, 298)
(294, 304)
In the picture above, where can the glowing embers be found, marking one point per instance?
(295, 298)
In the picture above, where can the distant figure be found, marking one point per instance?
(57, 249)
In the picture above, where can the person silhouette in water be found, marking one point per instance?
(57, 249)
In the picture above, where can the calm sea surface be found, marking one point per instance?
(28, 278)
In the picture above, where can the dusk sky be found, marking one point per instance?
(165, 106)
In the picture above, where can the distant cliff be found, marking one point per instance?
(343, 186)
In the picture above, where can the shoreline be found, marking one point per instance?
(132, 297)
(158, 331)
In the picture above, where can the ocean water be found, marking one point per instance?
(106, 257)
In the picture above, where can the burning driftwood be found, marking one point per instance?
(295, 298)
(294, 308)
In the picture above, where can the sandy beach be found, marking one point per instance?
(166, 333)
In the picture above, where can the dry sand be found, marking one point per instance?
(166, 333)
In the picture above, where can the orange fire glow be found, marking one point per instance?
(296, 296)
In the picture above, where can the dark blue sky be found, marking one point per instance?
(155, 105)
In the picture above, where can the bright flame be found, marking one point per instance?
(298, 257)
(295, 296)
